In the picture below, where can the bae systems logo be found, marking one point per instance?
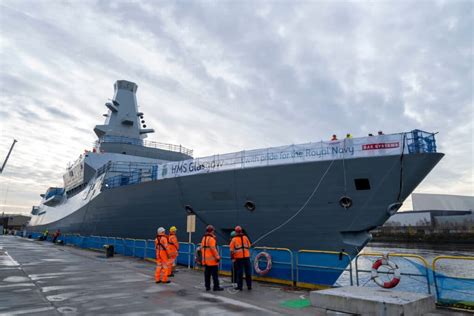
(380, 146)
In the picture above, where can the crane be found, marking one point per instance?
(8, 156)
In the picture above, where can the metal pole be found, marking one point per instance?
(428, 280)
(8, 156)
(189, 251)
(357, 270)
(350, 271)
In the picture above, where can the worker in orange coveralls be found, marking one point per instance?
(162, 257)
(173, 250)
(210, 259)
(240, 252)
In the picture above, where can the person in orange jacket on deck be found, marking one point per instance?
(210, 259)
(162, 256)
(240, 252)
(173, 250)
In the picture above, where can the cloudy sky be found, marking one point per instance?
(222, 76)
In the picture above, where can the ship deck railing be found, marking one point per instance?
(418, 141)
(452, 283)
(144, 143)
(414, 142)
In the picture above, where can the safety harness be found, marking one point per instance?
(159, 246)
(172, 244)
(242, 245)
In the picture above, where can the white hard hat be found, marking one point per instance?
(160, 230)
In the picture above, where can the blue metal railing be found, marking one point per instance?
(128, 173)
(419, 141)
(307, 267)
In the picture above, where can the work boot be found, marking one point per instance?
(218, 289)
(249, 288)
(157, 282)
(208, 289)
(166, 282)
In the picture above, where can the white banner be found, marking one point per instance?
(381, 145)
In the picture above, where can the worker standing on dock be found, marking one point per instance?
(232, 271)
(56, 235)
(210, 259)
(45, 235)
(162, 257)
(173, 250)
(240, 251)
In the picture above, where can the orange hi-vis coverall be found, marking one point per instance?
(210, 261)
(162, 257)
(210, 255)
(240, 252)
(239, 247)
(173, 251)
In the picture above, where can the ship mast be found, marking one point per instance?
(8, 156)
(123, 119)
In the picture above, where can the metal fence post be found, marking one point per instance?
(145, 251)
(357, 270)
(189, 256)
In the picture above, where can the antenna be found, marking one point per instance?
(8, 156)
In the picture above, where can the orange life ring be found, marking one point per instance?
(257, 259)
(396, 273)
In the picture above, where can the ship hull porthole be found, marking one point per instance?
(345, 202)
(249, 205)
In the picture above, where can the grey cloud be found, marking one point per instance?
(55, 111)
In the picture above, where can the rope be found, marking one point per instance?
(400, 188)
(370, 279)
(344, 167)
(301, 208)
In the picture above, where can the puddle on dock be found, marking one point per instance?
(16, 279)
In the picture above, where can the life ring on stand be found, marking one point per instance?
(396, 273)
(256, 266)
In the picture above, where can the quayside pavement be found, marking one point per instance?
(40, 278)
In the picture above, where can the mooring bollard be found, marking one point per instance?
(109, 251)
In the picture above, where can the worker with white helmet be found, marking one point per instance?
(162, 256)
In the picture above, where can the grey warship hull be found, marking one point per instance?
(134, 211)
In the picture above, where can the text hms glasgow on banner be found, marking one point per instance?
(344, 149)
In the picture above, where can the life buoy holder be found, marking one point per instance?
(256, 265)
(384, 261)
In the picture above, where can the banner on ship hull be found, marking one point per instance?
(382, 145)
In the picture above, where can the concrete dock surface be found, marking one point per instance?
(40, 278)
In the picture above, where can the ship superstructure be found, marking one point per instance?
(318, 195)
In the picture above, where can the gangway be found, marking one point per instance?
(8, 156)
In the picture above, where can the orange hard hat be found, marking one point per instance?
(238, 229)
(209, 228)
